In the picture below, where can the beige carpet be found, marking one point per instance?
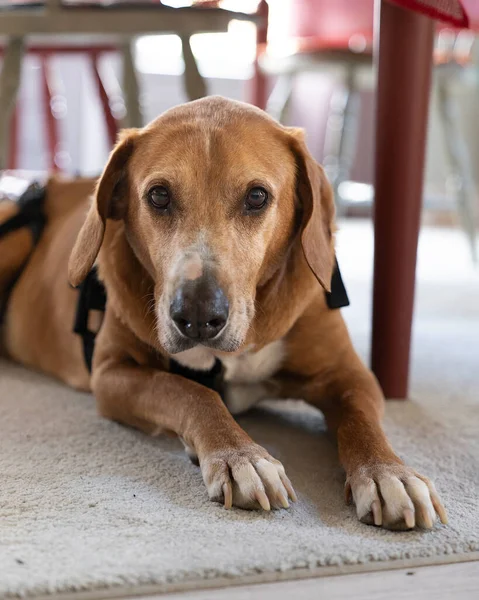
(86, 504)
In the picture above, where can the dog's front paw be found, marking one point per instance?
(394, 496)
(247, 477)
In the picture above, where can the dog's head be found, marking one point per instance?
(214, 196)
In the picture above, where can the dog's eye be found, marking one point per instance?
(256, 199)
(159, 197)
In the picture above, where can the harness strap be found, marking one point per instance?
(338, 296)
(212, 379)
(91, 296)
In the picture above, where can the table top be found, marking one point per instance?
(19, 18)
(18, 4)
(458, 13)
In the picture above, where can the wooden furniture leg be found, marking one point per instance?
(404, 64)
(195, 85)
(278, 102)
(131, 87)
(51, 122)
(259, 92)
(14, 138)
(341, 134)
(9, 84)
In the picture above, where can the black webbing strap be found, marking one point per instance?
(91, 296)
(212, 379)
(338, 296)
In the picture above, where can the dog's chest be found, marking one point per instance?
(254, 367)
(244, 374)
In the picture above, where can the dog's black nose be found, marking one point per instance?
(200, 309)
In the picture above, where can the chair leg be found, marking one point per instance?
(341, 134)
(279, 99)
(195, 85)
(459, 159)
(404, 75)
(53, 92)
(12, 159)
(110, 120)
(131, 88)
(9, 85)
(259, 83)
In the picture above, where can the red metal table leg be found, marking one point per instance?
(404, 72)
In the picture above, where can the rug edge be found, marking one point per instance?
(122, 592)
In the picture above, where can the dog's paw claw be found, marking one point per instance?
(263, 499)
(409, 519)
(228, 495)
(377, 513)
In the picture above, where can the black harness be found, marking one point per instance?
(92, 293)
(338, 296)
(31, 215)
(91, 296)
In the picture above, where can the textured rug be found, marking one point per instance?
(86, 504)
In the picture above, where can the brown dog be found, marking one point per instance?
(212, 228)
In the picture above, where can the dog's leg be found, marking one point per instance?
(236, 471)
(385, 491)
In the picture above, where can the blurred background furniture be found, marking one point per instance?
(325, 35)
(93, 27)
(338, 35)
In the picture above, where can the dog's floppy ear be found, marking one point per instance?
(316, 197)
(108, 203)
